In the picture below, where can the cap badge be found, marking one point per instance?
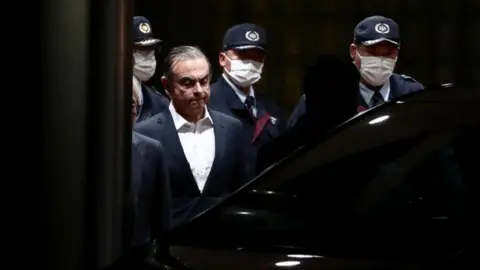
(144, 28)
(273, 120)
(382, 28)
(252, 35)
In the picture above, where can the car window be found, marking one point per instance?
(403, 183)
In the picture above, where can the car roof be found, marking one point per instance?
(436, 107)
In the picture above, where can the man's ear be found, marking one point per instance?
(165, 85)
(353, 51)
(222, 60)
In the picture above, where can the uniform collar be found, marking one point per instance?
(367, 93)
(240, 94)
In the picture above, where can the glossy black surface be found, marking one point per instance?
(391, 188)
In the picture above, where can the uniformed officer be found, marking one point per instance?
(339, 80)
(375, 47)
(145, 46)
(242, 60)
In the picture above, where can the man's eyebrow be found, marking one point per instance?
(193, 78)
(205, 77)
(186, 77)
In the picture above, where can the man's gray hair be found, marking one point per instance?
(182, 53)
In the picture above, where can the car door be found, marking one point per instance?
(390, 189)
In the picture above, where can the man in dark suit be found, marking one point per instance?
(204, 155)
(375, 48)
(145, 47)
(326, 107)
(150, 191)
(242, 59)
(148, 203)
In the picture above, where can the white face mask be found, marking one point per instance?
(376, 70)
(244, 73)
(145, 65)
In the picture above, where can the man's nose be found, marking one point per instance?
(197, 88)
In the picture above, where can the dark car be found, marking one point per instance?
(393, 188)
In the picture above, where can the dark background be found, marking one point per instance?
(440, 38)
(86, 99)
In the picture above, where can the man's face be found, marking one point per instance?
(382, 49)
(143, 54)
(256, 55)
(145, 64)
(190, 86)
(144, 50)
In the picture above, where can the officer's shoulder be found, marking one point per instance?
(146, 140)
(406, 78)
(151, 89)
(215, 87)
(156, 91)
(408, 82)
(225, 118)
(216, 82)
(147, 123)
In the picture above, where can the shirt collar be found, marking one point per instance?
(179, 121)
(240, 94)
(367, 93)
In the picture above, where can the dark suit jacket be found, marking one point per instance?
(150, 190)
(148, 203)
(153, 103)
(224, 99)
(228, 171)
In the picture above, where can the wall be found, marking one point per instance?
(440, 42)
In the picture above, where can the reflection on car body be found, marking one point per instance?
(385, 190)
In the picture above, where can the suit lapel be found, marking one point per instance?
(264, 122)
(233, 101)
(147, 103)
(170, 136)
(362, 104)
(144, 115)
(137, 167)
(173, 145)
(220, 145)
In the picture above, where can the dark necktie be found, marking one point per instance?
(377, 98)
(249, 103)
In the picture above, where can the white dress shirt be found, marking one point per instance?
(367, 93)
(198, 143)
(240, 94)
